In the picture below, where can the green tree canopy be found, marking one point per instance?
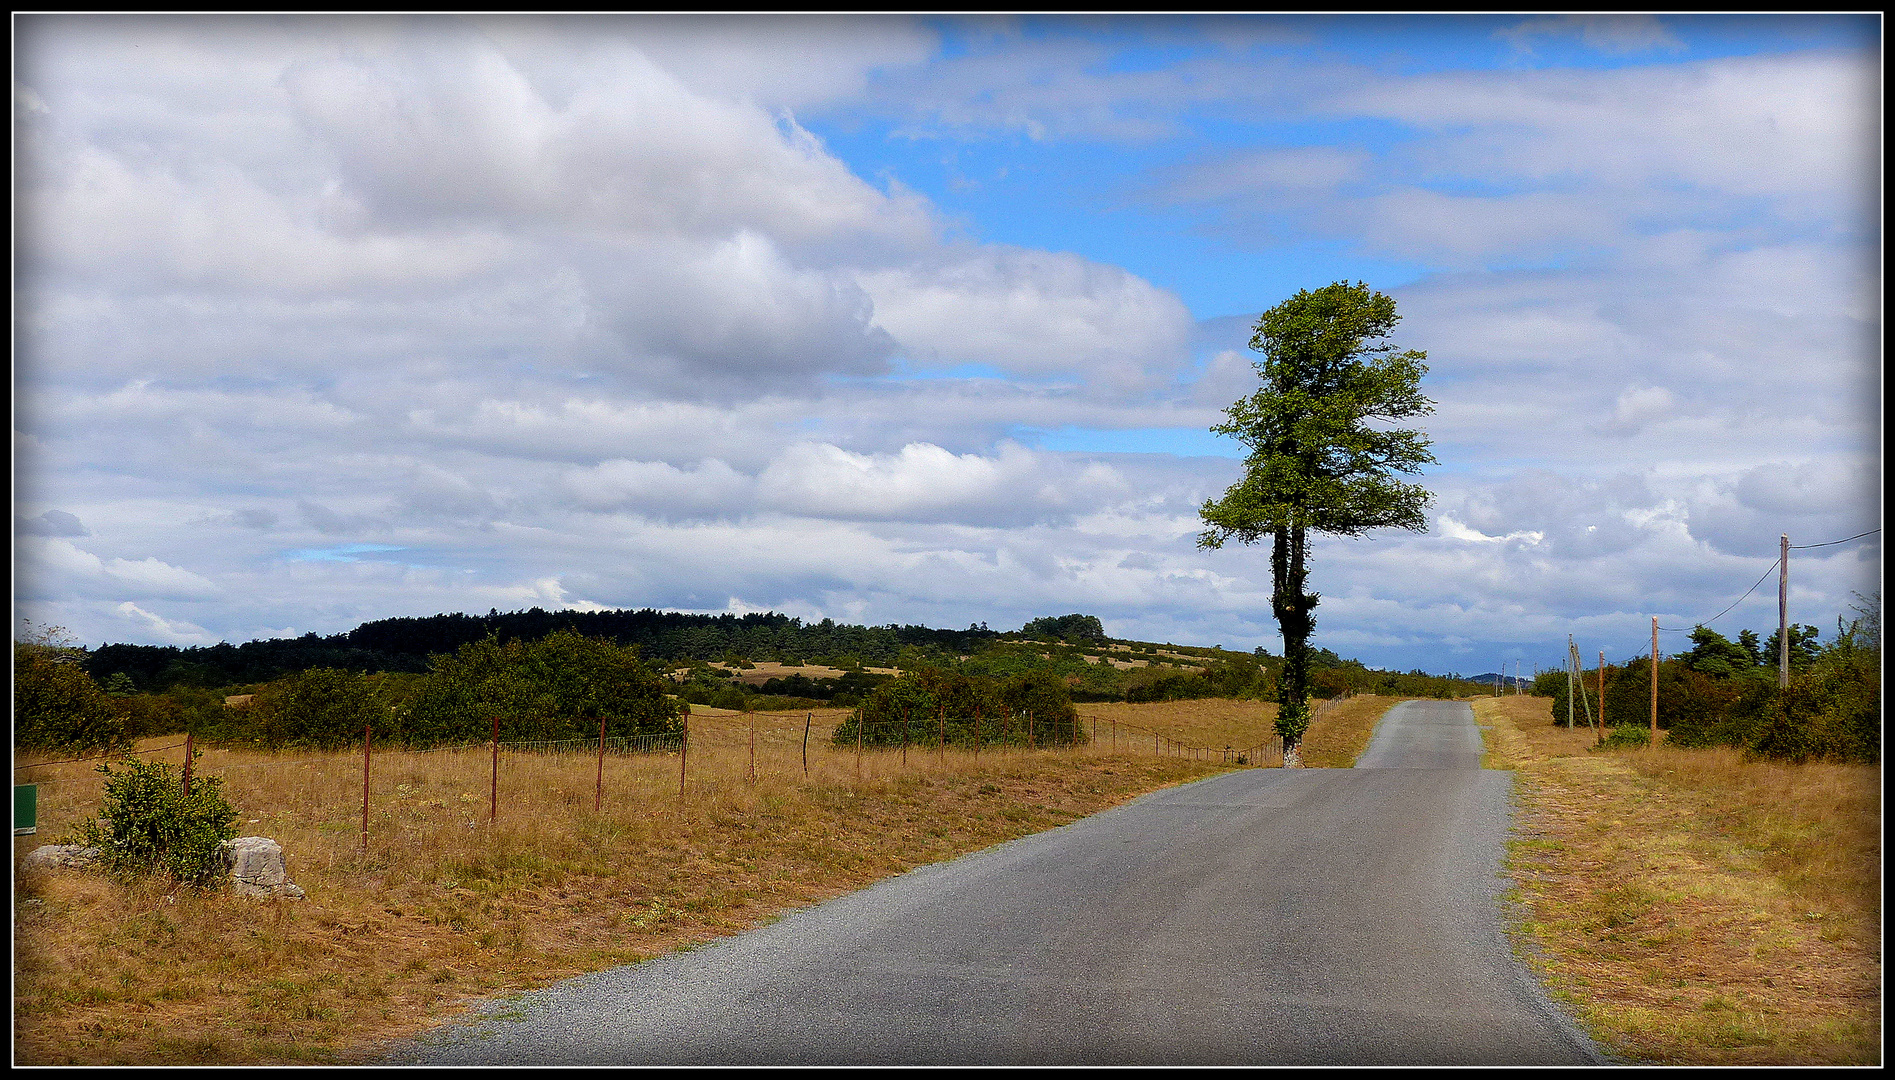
(558, 687)
(1317, 458)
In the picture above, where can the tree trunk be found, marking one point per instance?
(1292, 607)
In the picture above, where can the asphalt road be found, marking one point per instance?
(1268, 916)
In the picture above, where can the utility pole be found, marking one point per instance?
(1569, 682)
(1783, 612)
(1654, 680)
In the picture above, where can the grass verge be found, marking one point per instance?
(450, 902)
(1339, 734)
(1694, 907)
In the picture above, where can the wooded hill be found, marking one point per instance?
(709, 651)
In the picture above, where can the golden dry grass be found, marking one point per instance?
(1695, 907)
(1341, 730)
(1205, 726)
(443, 907)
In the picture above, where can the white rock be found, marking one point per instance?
(61, 857)
(256, 868)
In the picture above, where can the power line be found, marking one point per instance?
(1734, 603)
(1766, 573)
(1844, 540)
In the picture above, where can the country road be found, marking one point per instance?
(1266, 916)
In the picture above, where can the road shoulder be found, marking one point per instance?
(1649, 902)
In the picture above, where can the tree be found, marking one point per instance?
(1714, 654)
(1803, 647)
(56, 705)
(558, 687)
(1314, 461)
(1074, 627)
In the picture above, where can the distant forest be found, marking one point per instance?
(404, 644)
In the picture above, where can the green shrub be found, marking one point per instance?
(922, 706)
(1626, 737)
(147, 822)
(322, 708)
(555, 688)
(57, 706)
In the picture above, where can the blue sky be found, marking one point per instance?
(926, 320)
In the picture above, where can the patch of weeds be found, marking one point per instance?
(1620, 906)
(659, 914)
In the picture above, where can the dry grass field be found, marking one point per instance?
(1341, 730)
(1692, 906)
(450, 901)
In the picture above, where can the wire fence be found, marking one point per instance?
(891, 746)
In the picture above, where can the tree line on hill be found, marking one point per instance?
(405, 644)
(559, 687)
(458, 672)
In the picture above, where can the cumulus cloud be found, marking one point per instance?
(1032, 313)
(57, 566)
(1616, 34)
(512, 312)
(166, 631)
(50, 523)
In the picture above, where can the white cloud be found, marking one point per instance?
(563, 318)
(57, 566)
(167, 631)
(1454, 530)
(1032, 313)
(1616, 34)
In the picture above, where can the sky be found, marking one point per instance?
(926, 320)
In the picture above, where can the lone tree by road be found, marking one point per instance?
(1314, 462)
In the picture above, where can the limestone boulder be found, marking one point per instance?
(257, 869)
(61, 857)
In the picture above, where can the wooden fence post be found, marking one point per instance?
(598, 796)
(807, 717)
(684, 748)
(365, 728)
(493, 799)
(187, 764)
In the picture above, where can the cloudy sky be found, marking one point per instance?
(898, 320)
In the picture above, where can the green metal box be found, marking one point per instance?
(25, 809)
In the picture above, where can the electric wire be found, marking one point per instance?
(1831, 543)
(1726, 611)
(1766, 573)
